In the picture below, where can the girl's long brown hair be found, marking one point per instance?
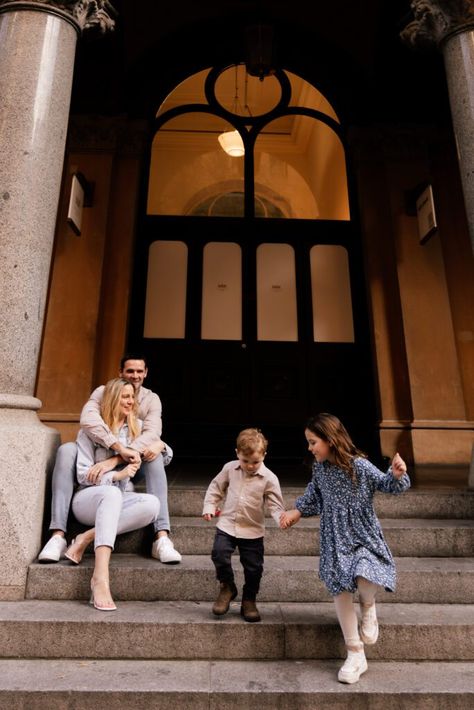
(109, 407)
(330, 429)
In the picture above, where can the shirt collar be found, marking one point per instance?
(259, 472)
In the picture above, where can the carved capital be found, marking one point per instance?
(95, 15)
(435, 20)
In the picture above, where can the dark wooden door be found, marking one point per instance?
(211, 389)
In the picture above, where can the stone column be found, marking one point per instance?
(450, 25)
(37, 48)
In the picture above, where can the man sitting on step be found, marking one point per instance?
(147, 448)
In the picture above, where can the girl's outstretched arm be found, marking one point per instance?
(289, 518)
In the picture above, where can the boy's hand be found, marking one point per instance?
(399, 466)
(209, 516)
(289, 518)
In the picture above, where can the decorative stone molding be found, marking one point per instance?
(436, 20)
(85, 14)
(397, 143)
(99, 134)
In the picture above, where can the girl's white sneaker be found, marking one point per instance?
(355, 665)
(369, 627)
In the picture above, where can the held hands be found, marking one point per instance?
(399, 466)
(289, 518)
(128, 455)
(127, 472)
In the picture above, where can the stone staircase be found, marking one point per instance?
(163, 648)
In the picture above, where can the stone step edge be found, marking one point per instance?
(65, 610)
(288, 630)
(313, 522)
(302, 561)
(429, 580)
(55, 684)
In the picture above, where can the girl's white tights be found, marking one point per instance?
(346, 613)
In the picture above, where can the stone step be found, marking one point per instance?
(231, 685)
(189, 630)
(188, 500)
(422, 580)
(406, 537)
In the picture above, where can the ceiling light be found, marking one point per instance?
(232, 143)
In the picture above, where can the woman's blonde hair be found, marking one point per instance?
(109, 407)
(250, 440)
(330, 429)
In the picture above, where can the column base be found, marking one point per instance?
(27, 452)
(432, 442)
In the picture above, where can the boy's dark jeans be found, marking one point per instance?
(251, 556)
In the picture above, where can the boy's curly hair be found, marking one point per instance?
(251, 440)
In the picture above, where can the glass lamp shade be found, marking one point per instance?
(232, 143)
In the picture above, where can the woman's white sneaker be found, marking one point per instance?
(369, 627)
(54, 549)
(163, 550)
(355, 665)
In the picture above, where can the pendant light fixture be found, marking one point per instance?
(231, 141)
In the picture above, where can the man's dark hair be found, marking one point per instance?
(132, 356)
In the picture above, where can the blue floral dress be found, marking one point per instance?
(351, 539)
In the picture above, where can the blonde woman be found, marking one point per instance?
(102, 499)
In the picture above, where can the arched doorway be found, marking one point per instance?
(248, 294)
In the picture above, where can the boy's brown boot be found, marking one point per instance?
(226, 594)
(249, 610)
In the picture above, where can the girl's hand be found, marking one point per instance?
(399, 466)
(289, 518)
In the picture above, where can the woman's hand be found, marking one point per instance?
(399, 466)
(96, 471)
(289, 518)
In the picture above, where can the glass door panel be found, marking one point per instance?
(331, 295)
(165, 309)
(276, 293)
(221, 317)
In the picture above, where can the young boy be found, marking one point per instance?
(247, 485)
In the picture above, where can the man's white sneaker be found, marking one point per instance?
(54, 549)
(369, 627)
(355, 665)
(163, 550)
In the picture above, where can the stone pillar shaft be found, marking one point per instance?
(37, 47)
(37, 61)
(450, 25)
(458, 53)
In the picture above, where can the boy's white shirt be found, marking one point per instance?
(246, 495)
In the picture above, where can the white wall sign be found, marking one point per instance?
(76, 205)
(426, 214)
